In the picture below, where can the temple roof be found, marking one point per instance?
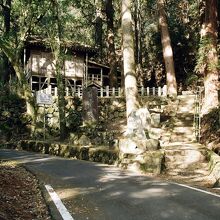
(44, 43)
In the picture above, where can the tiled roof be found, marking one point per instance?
(72, 46)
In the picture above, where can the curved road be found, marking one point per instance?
(101, 192)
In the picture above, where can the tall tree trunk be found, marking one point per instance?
(7, 18)
(98, 27)
(111, 43)
(26, 92)
(138, 41)
(131, 91)
(209, 35)
(14, 58)
(167, 51)
(12, 44)
(138, 29)
(56, 48)
(61, 100)
(5, 69)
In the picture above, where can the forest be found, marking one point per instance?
(52, 50)
(150, 42)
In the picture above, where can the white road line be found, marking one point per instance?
(199, 190)
(58, 203)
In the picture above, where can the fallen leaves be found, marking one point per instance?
(20, 196)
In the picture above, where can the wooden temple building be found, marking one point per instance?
(78, 69)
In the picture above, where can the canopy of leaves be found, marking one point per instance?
(36, 17)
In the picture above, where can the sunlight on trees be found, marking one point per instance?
(167, 51)
(128, 58)
(144, 48)
(207, 62)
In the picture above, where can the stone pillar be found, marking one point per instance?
(90, 105)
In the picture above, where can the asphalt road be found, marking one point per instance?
(101, 192)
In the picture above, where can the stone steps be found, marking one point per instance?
(194, 171)
(179, 127)
(181, 157)
(183, 119)
(183, 130)
(183, 123)
(182, 134)
(186, 104)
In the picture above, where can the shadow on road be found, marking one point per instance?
(96, 191)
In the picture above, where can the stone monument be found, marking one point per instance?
(90, 105)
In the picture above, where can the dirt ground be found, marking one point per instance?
(20, 195)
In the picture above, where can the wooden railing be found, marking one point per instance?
(94, 77)
(108, 92)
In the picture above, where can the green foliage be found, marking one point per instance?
(205, 46)
(37, 17)
(74, 116)
(8, 93)
(185, 35)
(72, 18)
(74, 120)
(13, 119)
(153, 67)
(211, 126)
(191, 79)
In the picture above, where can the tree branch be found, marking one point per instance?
(7, 49)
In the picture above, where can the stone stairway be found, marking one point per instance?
(180, 155)
(180, 158)
(183, 156)
(187, 163)
(183, 130)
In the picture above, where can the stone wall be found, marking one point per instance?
(94, 154)
(111, 111)
(14, 123)
(50, 113)
(150, 162)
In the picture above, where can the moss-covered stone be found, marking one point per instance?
(64, 150)
(74, 152)
(214, 165)
(103, 154)
(152, 162)
(84, 153)
(148, 162)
